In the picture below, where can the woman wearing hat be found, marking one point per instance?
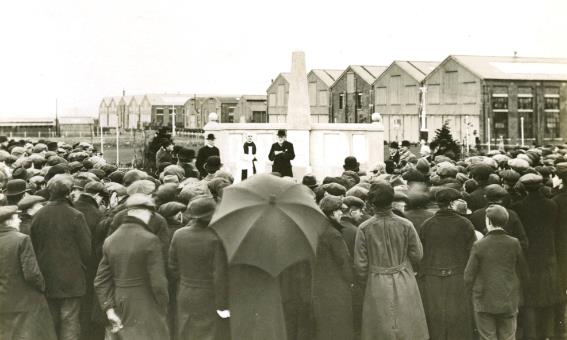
(24, 313)
(197, 263)
(130, 283)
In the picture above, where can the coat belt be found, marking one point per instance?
(437, 271)
(388, 270)
(129, 282)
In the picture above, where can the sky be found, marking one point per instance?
(75, 52)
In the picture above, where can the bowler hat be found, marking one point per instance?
(15, 187)
(211, 136)
(7, 211)
(351, 163)
(282, 133)
(309, 181)
(201, 208)
(406, 143)
(186, 154)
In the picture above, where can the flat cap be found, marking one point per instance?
(170, 179)
(18, 151)
(497, 214)
(561, 169)
(330, 203)
(358, 191)
(54, 160)
(140, 201)
(7, 211)
(446, 169)
(518, 164)
(381, 193)
(225, 175)
(480, 171)
(400, 196)
(118, 188)
(133, 175)
(423, 166)
(95, 188)
(171, 209)
(74, 166)
(166, 193)
(142, 186)
(531, 180)
(334, 189)
(495, 192)
(117, 176)
(20, 173)
(194, 190)
(201, 208)
(60, 185)
(309, 180)
(28, 201)
(59, 168)
(174, 170)
(352, 201)
(447, 195)
(509, 176)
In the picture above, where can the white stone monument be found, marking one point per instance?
(319, 148)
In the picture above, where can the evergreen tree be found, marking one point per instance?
(447, 145)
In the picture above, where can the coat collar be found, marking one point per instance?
(498, 231)
(384, 213)
(86, 198)
(59, 201)
(133, 220)
(5, 229)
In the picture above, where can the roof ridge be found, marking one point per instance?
(411, 64)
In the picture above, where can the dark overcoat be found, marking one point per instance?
(202, 155)
(447, 239)
(513, 228)
(539, 215)
(386, 245)
(494, 273)
(131, 279)
(477, 199)
(198, 267)
(561, 236)
(62, 243)
(24, 313)
(282, 161)
(332, 282)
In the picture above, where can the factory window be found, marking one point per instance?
(359, 100)
(551, 126)
(159, 116)
(259, 117)
(341, 101)
(525, 103)
(500, 103)
(312, 94)
(380, 96)
(551, 103)
(500, 125)
(324, 98)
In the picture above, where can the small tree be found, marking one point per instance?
(447, 145)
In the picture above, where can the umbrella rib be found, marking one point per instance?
(236, 189)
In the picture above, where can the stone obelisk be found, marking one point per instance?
(299, 114)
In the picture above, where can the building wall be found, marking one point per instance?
(542, 104)
(278, 93)
(396, 97)
(348, 113)
(453, 96)
(162, 115)
(319, 99)
(251, 111)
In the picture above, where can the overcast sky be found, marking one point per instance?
(81, 51)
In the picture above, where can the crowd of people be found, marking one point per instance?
(417, 247)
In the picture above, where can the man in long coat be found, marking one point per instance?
(198, 267)
(130, 283)
(205, 152)
(542, 292)
(24, 313)
(385, 247)
(332, 278)
(282, 153)
(62, 243)
(447, 239)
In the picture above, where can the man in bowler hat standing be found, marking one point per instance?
(205, 152)
(281, 154)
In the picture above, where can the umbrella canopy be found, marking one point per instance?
(269, 222)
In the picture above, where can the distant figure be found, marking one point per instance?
(205, 152)
(164, 154)
(281, 154)
(248, 157)
(395, 152)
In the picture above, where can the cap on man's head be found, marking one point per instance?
(447, 195)
(353, 202)
(406, 143)
(497, 214)
(282, 133)
(186, 154)
(335, 189)
(309, 180)
(394, 145)
(201, 208)
(15, 187)
(531, 180)
(60, 185)
(561, 169)
(140, 201)
(211, 136)
(381, 193)
(29, 201)
(7, 212)
(213, 163)
(330, 203)
(495, 192)
(142, 186)
(95, 188)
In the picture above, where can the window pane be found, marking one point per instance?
(500, 103)
(552, 103)
(500, 124)
(528, 125)
(359, 100)
(341, 100)
(525, 103)
(551, 126)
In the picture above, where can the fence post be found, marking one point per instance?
(39, 134)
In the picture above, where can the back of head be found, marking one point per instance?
(381, 194)
(497, 215)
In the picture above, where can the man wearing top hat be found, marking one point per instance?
(281, 154)
(205, 152)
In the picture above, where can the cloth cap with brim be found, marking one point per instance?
(461, 207)
(100, 174)
(480, 171)
(186, 154)
(353, 202)
(201, 208)
(18, 151)
(133, 175)
(57, 169)
(352, 176)
(54, 160)
(60, 185)
(15, 187)
(309, 181)
(29, 201)
(423, 166)
(510, 176)
(7, 211)
(171, 179)
(400, 196)
(216, 185)
(174, 170)
(118, 188)
(224, 175)
(95, 188)
(447, 169)
(358, 191)
(74, 166)
(37, 180)
(495, 192)
(20, 173)
(497, 215)
(561, 169)
(166, 193)
(334, 189)
(193, 190)
(330, 203)
(447, 195)
(530, 180)
(170, 209)
(140, 201)
(4, 155)
(117, 176)
(518, 164)
(381, 193)
(142, 186)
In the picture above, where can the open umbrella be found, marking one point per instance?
(268, 222)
